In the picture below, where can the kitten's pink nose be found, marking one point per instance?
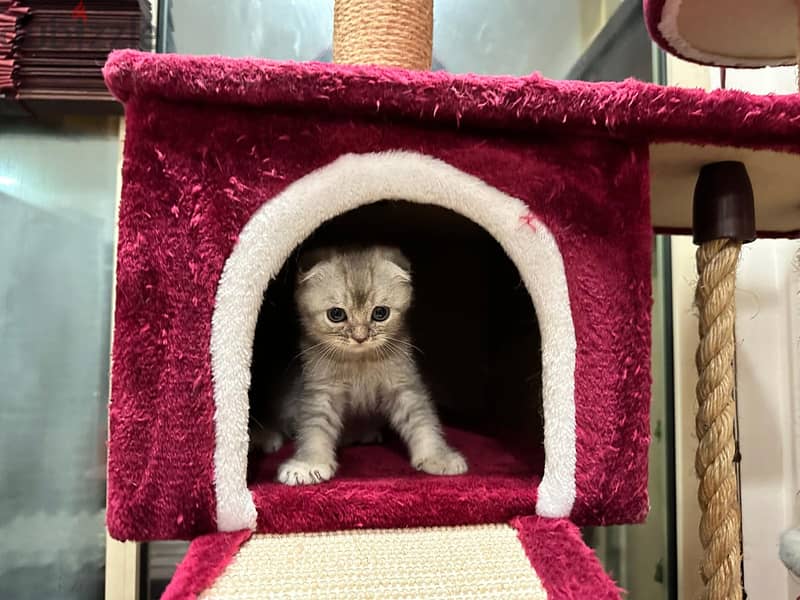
(360, 333)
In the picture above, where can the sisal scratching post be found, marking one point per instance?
(394, 33)
(720, 524)
(723, 219)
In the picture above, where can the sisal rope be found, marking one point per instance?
(720, 524)
(395, 33)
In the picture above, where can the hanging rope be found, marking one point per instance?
(720, 525)
(396, 33)
(723, 217)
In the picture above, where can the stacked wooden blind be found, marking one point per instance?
(52, 51)
(11, 16)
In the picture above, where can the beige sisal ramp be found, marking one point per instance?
(485, 561)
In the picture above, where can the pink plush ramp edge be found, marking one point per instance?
(206, 560)
(568, 569)
(629, 110)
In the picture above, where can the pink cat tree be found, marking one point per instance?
(230, 164)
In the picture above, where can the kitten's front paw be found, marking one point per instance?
(300, 472)
(445, 462)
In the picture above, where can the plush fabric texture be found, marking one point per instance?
(206, 559)
(568, 569)
(629, 110)
(198, 165)
(376, 487)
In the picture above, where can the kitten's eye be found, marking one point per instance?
(336, 314)
(380, 313)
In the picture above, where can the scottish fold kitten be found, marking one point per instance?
(358, 369)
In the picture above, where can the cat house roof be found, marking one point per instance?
(684, 128)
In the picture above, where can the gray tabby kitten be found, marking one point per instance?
(358, 371)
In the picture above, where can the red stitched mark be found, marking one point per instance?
(79, 12)
(529, 219)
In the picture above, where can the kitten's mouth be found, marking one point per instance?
(356, 348)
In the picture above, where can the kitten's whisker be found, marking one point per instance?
(327, 351)
(382, 354)
(333, 354)
(397, 351)
(405, 343)
(397, 344)
(330, 354)
(307, 350)
(301, 353)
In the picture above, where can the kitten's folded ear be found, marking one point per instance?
(309, 260)
(398, 259)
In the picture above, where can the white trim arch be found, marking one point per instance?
(353, 180)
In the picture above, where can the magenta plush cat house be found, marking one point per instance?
(530, 205)
(231, 165)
